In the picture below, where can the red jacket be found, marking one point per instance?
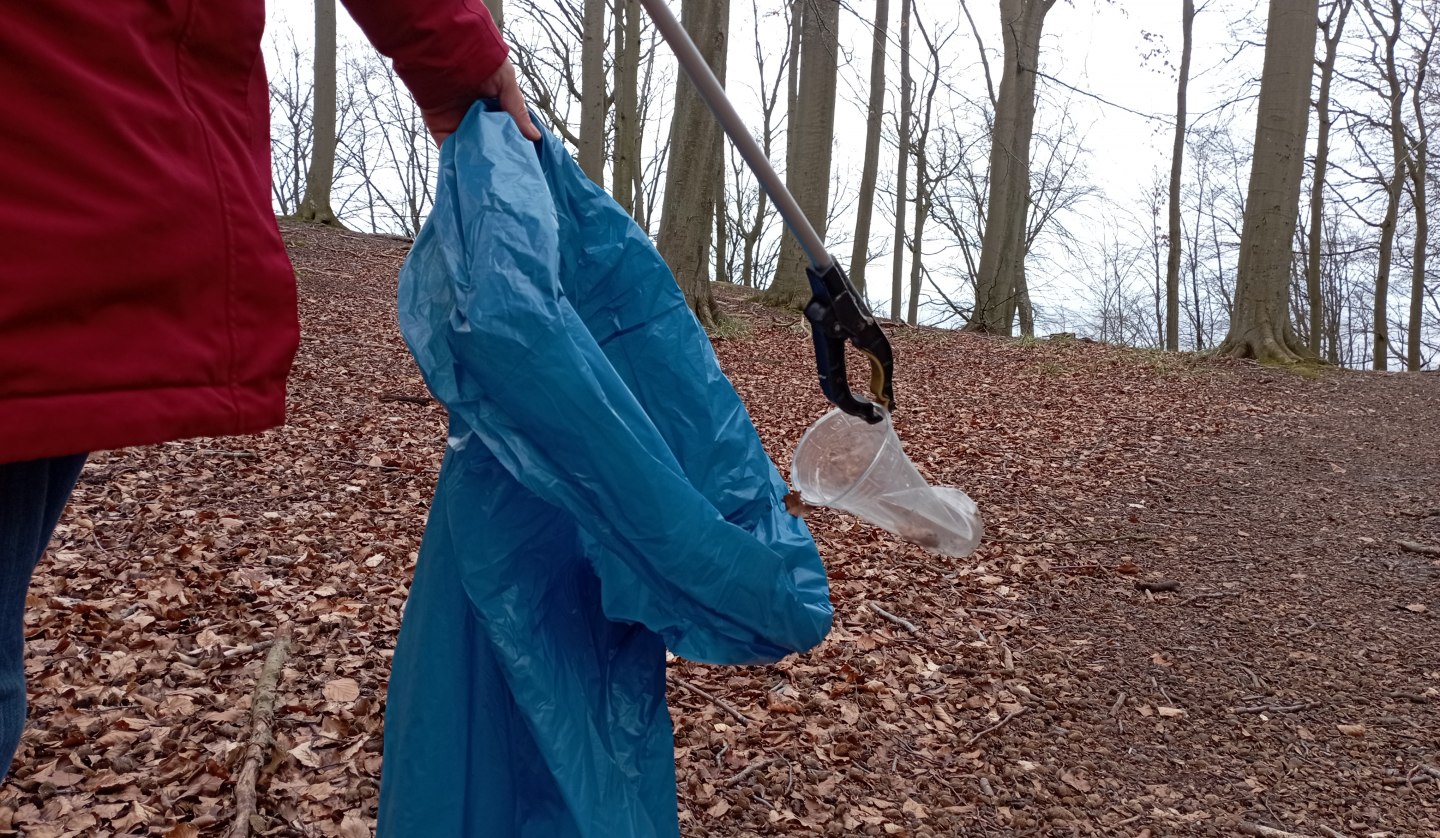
(145, 293)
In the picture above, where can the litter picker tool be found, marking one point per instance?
(837, 312)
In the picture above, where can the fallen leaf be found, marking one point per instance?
(1351, 730)
(353, 826)
(342, 690)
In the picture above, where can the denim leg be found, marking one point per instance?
(32, 496)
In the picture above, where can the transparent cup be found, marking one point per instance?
(848, 464)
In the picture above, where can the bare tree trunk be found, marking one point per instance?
(923, 182)
(627, 103)
(912, 309)
(696, 146)
(897, 288)
(1380, 355)
(870, 170)
(722, 256)
(770, 98)
(1177, 165)
(316, 205)
(1260, 325)
(591, 154)
(497, 11)
(1419, 163)
(1334, 26)
(1002, 253)
(812, 137)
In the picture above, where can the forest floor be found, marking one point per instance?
(1193, 613)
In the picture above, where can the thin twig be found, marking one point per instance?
(735, 714)
(1415, 547)
(1275, 708)
(1328, 832)
(899, 621)
(992, 728)
(262, 716)
(1188, 600)
(1267, 832)
(1072, 540)
(751, 769)
(998, 613)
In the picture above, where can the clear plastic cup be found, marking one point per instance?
(845, 463)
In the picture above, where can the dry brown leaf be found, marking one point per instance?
(342, 690)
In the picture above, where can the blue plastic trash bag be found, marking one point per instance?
(603, 496)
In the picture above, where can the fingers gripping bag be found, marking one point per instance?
(603, 496)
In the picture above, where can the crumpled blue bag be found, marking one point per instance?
(603, 496)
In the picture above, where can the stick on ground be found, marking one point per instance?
(1422, 549)
(262, 716)
(735, 714)
(1267, 832)
(899, 621)
(992, 728)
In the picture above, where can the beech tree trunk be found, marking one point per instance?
(897, 273)
(1419, 169)
(696, 148)
(1394, 188)
(1177, 166)
(1260, 324)
(812, 137)
(869, 172)
(627, 104)
(497, 11)
(315, 207)
(1002, 250)
(591, 156)
(1334, 26)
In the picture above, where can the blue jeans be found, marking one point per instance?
(32, 496)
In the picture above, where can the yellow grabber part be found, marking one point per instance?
(877, 380)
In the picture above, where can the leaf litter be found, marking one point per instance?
(1190, 614)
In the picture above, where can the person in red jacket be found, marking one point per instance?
(145, 292)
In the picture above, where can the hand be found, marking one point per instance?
(443, 121)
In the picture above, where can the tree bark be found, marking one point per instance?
(1260, 324)
(627, 104)
(1002, 250)
(923, 181)
(1380, 346)
(1419, 169)
(897, 273)
(696, 146)
(1334, 28)
(1177, 165)
(591, 154)
(316, 205)
(812, 137)
(869, 172)
(497, 11)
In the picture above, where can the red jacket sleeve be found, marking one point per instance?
(442, 49)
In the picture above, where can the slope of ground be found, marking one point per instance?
(1192, 610)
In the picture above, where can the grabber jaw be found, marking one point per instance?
(837, 314)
